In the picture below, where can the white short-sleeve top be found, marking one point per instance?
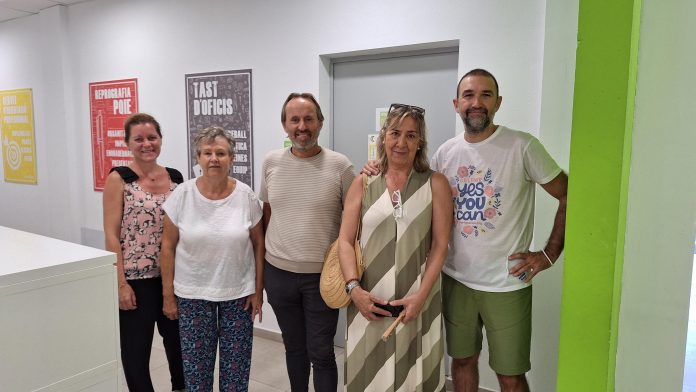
(214, 257)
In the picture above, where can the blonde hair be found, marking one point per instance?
(394, 118)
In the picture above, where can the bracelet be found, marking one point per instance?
(547, 257)
(353, 279)
(351, 285)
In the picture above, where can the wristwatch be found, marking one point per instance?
(351, 285)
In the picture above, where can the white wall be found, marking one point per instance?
(158, 41)
(661, 216)
(30, 57)
(556, 122)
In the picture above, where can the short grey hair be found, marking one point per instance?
(209, 135)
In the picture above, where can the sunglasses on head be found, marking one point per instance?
(416, 109)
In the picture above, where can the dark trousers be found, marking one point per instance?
(308, 327)
(137, 328)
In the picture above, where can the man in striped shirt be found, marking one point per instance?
(303, 188)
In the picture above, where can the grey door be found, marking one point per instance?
(361, 85)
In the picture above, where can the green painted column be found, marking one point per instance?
(596, 215)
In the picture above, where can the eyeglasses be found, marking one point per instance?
(398, 207)
(416, 109)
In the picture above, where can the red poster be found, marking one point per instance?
(110, 104)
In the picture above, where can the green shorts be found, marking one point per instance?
(507, 317)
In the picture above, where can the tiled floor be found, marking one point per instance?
(268, 372)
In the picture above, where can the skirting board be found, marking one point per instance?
(268, 334)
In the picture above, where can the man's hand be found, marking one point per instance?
(371, 168)
(531, 264)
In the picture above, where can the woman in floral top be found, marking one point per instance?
(133, 224)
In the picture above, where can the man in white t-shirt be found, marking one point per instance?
(493, 172)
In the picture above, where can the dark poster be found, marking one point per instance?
(222, 99)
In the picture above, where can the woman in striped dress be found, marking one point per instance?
(406, 215)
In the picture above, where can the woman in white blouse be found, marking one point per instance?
(212, 267)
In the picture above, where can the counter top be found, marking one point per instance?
(27, 256)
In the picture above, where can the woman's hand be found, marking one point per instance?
(412, 306)
(254, 304)
(126, 297)
(365, 302)
(169, 307)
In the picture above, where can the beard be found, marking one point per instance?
(304, 147)
(477, 124)
(310, 144)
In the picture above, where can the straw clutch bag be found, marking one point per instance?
(332, 285)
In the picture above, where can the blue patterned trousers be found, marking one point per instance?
(201, 325)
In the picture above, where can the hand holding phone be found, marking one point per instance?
(394, 310)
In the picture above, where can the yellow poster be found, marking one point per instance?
(373, 138)
(17, 131)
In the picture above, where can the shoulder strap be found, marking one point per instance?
(364, 188)
(175, 175)
(126, 173)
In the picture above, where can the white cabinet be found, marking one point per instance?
(58, 315)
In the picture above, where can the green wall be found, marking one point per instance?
(599, 167)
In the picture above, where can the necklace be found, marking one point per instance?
(395, 182)
(153, 175)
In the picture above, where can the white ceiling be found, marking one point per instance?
(13, 9)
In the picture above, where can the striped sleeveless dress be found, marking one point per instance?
(394, 251)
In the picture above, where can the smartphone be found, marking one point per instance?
(394, 310)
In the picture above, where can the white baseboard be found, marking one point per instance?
(268, 334)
